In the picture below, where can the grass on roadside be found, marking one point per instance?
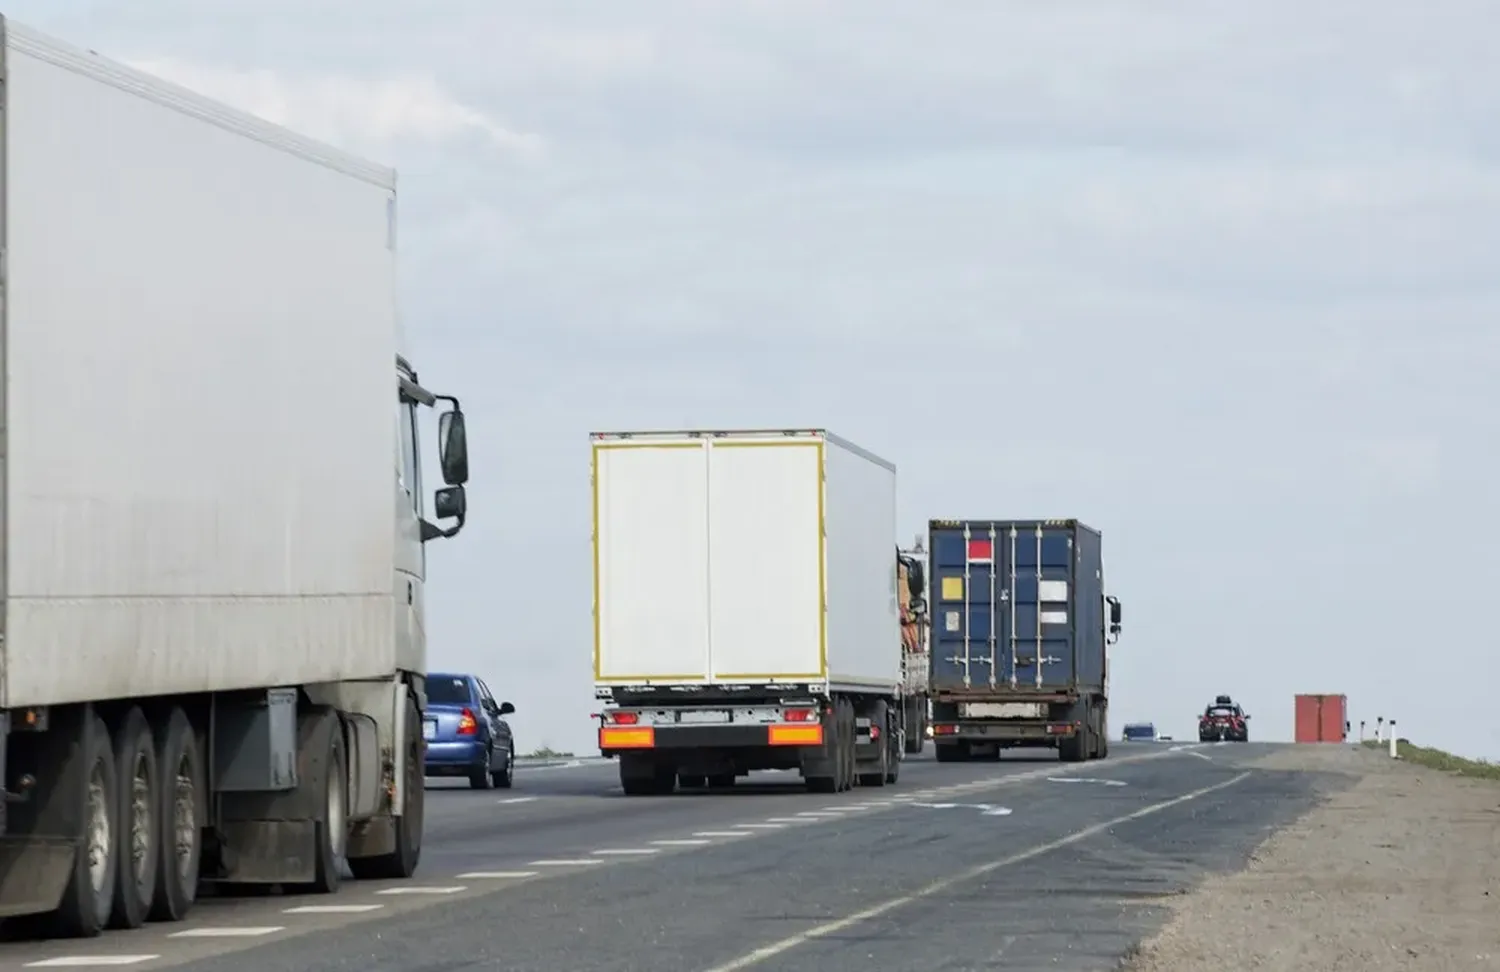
(546, 752)
(1439, 760)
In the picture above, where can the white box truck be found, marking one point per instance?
(745, 608)
(213, 517)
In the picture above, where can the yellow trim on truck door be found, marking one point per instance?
(817, 444)
(594, 542)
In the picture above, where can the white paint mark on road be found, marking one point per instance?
(566, 862)
(1084, 779)
(627, 851)
(774, 949)
(510, 800)
(723, 833)
(496, 875)
(787, 820)
(766, 826)
(339, 909)
(681, 842)
(985, 809)
(89, 961)
(229, 932)
(425, 889)
(820, 814)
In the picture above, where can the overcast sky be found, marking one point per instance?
(1220, 279)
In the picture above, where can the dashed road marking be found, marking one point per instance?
(820, 814)
(786, 820)
(627, 851)
(765, 826)
(681, 842)
(566, 862)
(723, 833)
(424, 889)
(509, 800)
(338, 909)
(496, 875)
(229, 931)
(89, 961)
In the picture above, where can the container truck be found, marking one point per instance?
(1321, 718)
(213, 517)
(1020, 628)
(915, 667)
(746, 608)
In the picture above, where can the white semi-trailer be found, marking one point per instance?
(213, 514)
(745, 608)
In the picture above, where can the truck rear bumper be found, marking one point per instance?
(1013, 733)
(616, 739)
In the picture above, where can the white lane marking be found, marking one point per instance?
(786, 820)
(723, 833)
(819, 814)
(566, 862)
(891, 904)
(340, 909)
(424, 889)
(627, 851)
(1084, 779)
(88, 961)
(764, 826)
(495, 875)
(878, 803)
(229, 932)
(510, 800)
(842, 808)
(682, 842)
(986, 809)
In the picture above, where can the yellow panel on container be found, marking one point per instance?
(953, 588)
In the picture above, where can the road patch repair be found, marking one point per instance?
(1392, 874)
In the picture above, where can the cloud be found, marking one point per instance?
(347, 109)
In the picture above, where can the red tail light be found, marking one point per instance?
(800, 715)
(625, 718)
(466, 724)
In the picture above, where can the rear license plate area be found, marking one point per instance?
(699, 717)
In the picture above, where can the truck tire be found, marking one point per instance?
(847, 741)
(332, 832)
(90, 895)
(916, 726)
(893, 762)
(639, 777)
(880, 717)
(401, 862)
(951, 752)
(720, 781)
(691, 781)
(139, 802)
(181, 817)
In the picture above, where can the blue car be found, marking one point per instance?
(466, 732)
(1140, 732)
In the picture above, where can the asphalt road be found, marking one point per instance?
(1021, 864)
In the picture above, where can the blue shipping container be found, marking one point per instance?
(1018, 607)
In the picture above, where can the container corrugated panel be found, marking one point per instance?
(1018, 605)
(1320, 718)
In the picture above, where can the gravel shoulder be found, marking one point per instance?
(1396, 872)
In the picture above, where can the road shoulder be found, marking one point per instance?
(1394, 873)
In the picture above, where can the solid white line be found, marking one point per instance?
(627, 851)
(88, 961)
(679, 843)
(495, 875)
(568, 862)
(343, 909)
(822, 931)
(723, 833)
(229, 932)
(421, 889)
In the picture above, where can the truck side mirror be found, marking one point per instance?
(450, 503)
(453, 448)
(917, 607)
(916, 579)
(1114, 614)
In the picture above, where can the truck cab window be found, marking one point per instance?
(411, 473)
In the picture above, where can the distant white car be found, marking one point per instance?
(1140, 732)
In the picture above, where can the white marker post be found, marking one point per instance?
(1379, 730)
(1361, 732)
(1393, 739)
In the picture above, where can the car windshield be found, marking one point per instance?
(447, 689)
(1139, 731)
(1220, 711)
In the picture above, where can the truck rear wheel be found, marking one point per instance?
(180, 844)
(89, 898)
(847, 742)
(332, 831)
(951, 752)
(139, 802)
(879, 718)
